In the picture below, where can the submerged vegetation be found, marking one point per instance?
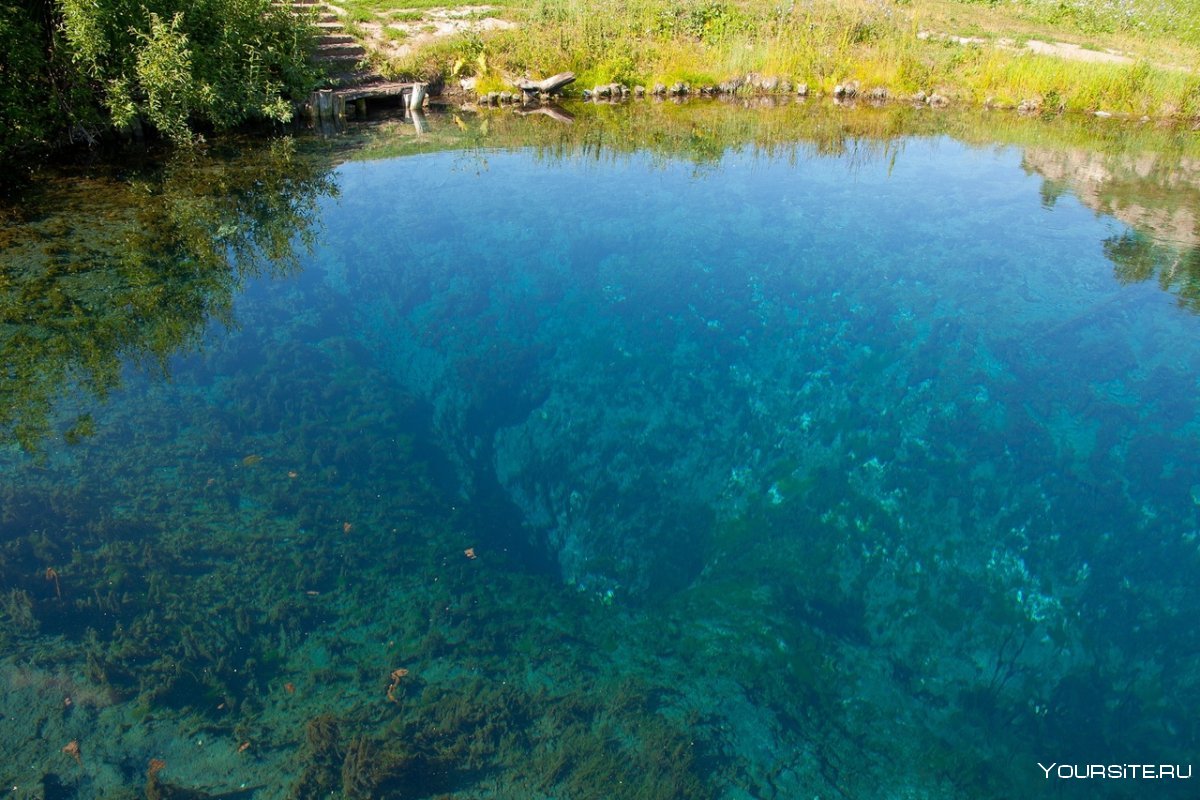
(172, 244)
(265, 572)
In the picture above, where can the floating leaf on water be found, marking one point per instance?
(251, 460)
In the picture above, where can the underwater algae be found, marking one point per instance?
(101, 267)
(950, 504)
(881, 486)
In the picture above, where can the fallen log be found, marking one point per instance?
(550, 85)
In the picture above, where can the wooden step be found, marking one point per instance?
(342, 50)
(338, 64)
(335, 38)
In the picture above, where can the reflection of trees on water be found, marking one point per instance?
(1155, 194)
(1146, 178)
(1138, 257)
(95, 272)
(702, 133)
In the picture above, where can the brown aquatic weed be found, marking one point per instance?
(397, 676)
(52, 575)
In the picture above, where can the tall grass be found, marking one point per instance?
(820, 43)
(1173, 19)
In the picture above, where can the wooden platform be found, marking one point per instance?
(335, 104)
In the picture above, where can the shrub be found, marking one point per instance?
(81, 65)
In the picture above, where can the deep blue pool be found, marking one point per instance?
(578, 468)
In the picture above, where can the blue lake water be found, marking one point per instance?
(588, 467)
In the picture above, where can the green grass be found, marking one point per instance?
(1178, 19)
(408, 6)
(826, 42)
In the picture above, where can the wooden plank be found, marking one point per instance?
(353, 93)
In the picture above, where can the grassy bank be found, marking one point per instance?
(970, 51)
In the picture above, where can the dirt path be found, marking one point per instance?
(1063, 50)
(400, 32)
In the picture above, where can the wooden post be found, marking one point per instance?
(360, 106)
(325, 104)
(418, 95)
(339, 107)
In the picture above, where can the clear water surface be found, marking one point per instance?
(700, 452)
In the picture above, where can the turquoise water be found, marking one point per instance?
(563, 468)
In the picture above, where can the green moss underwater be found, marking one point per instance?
(678, 452)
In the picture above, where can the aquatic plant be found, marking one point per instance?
(141, 280)
(801, 487)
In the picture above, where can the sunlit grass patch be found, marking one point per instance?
(821, 43)
(1147, 19)
(403, 7)
(1068, 85)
